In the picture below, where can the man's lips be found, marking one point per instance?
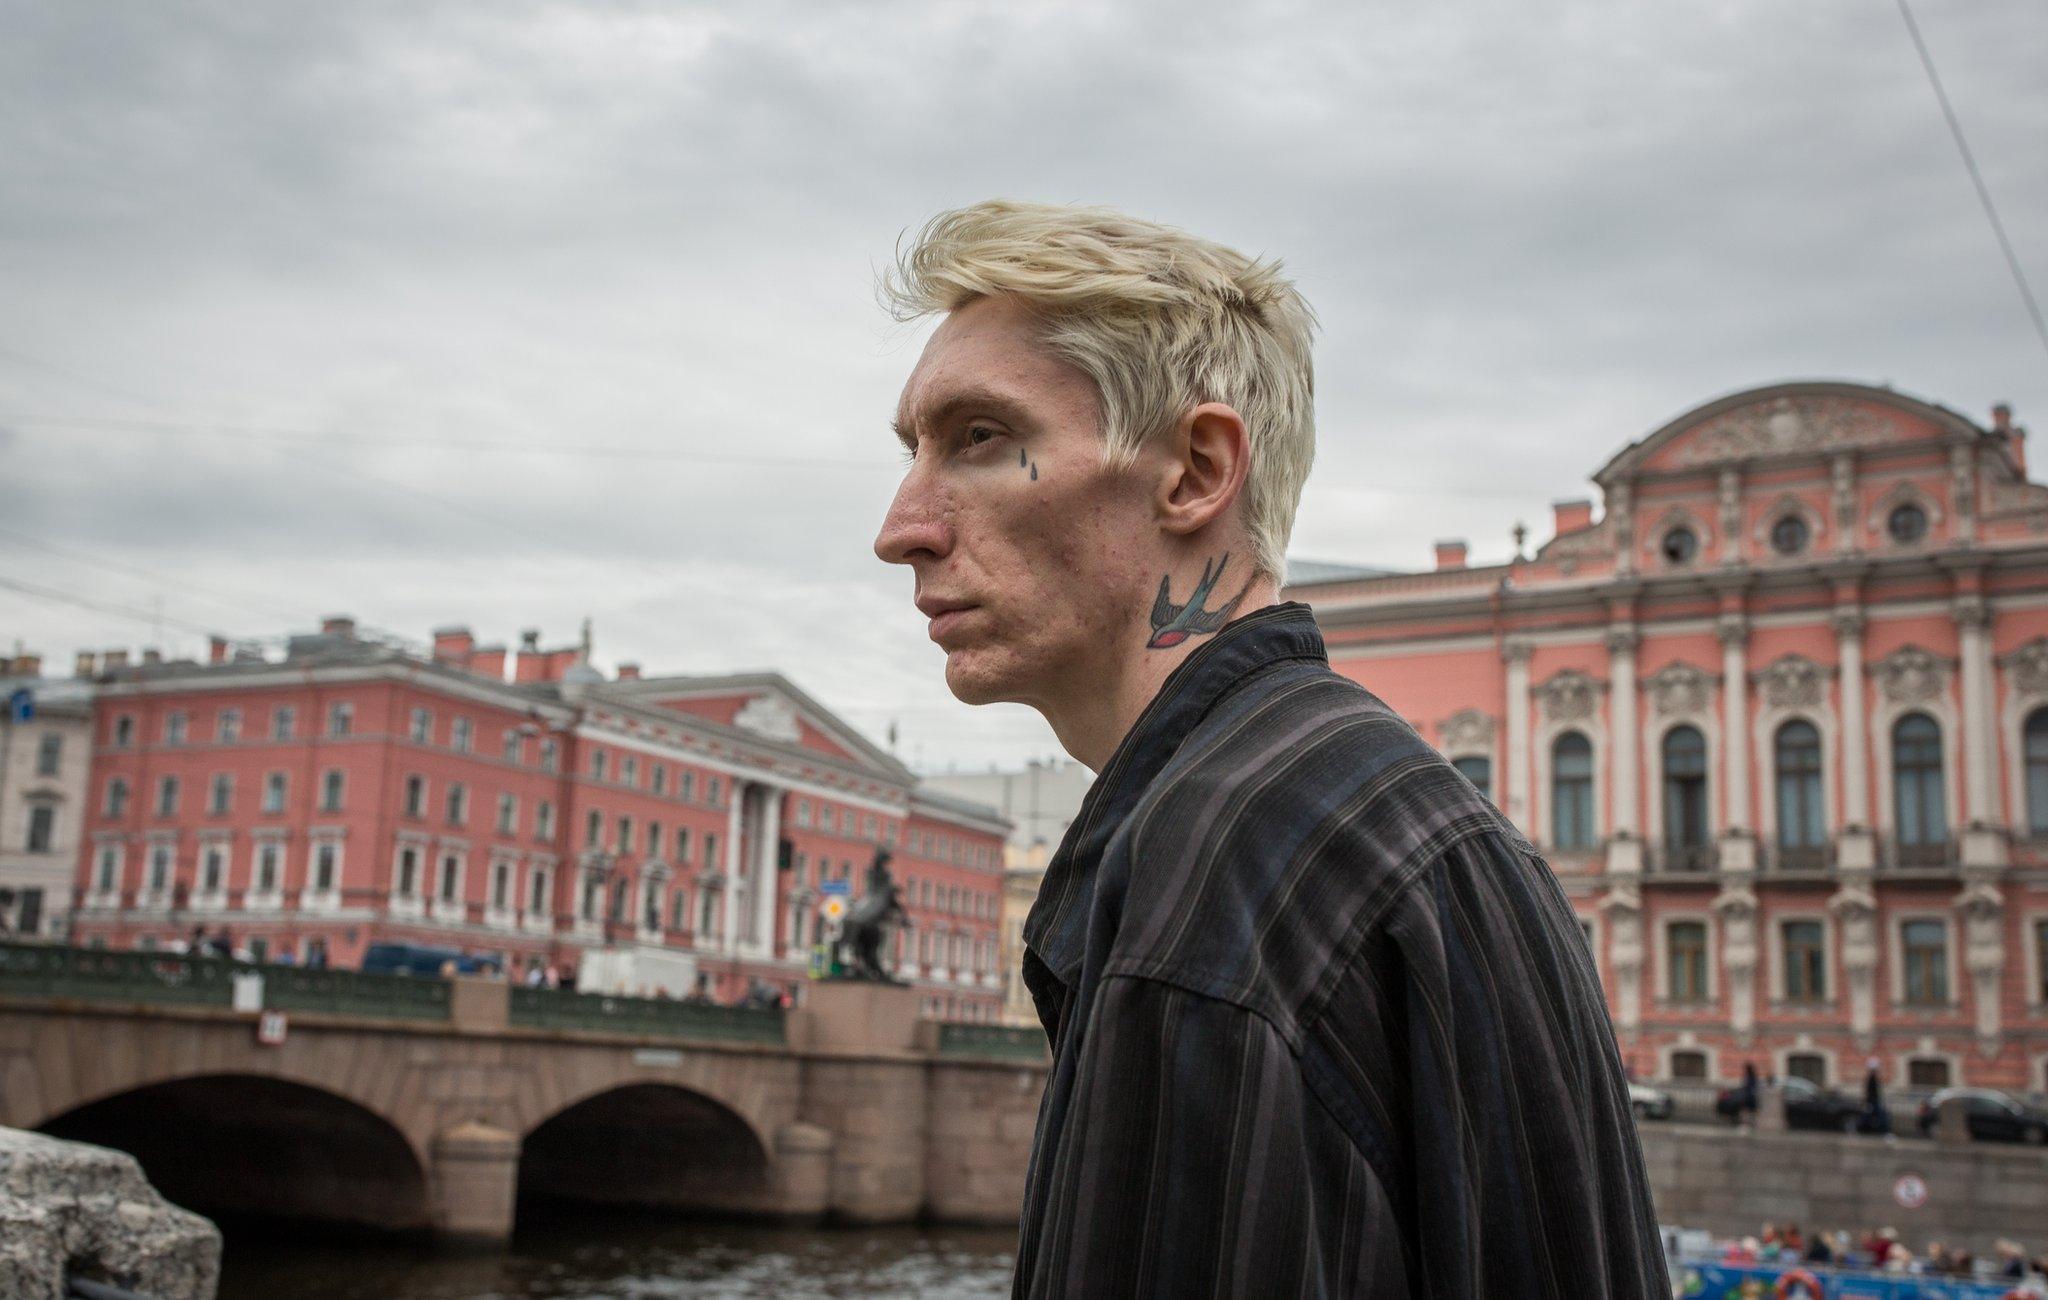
(944, 614)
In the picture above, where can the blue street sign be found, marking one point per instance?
(835, 888)
(21, 705)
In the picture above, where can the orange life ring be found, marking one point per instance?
(1801, 1277)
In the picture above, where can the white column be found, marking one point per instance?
(1624, 846)
(1738, 849)
(731, 902)
(768, 836)
(1857, 849)
(1842, 471)
(1731, 515)
(1983, 845)
(1515, 762)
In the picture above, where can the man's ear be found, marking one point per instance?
(1209, 457)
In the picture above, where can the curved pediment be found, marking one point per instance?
(1786, 420)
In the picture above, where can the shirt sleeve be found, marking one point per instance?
(1193, 1161)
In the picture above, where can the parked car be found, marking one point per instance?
(1648, 1102)
(1993, 1116)
(1807, 1106)
(419, 959)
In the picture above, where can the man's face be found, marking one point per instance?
(1025, 548)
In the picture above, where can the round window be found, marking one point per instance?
(1908, 523)
(1680, 546)
(1789, 535)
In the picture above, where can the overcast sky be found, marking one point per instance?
(522, 312)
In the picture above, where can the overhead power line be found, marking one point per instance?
(1955, 128)
(151, 617)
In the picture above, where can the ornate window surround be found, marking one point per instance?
(1778, 965)
(1679, 516)
(1885, 714)
(1686, 1043)
(1780, 698)
(1781, 1058)
(1907, 492)
(1679, 694)
(1473, 733)
(1767, 521)
(2031, 959)
(2025, 670)
(1554, 700)
(1925, 1050)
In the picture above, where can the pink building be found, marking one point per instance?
(1779, 719)
(655, 834)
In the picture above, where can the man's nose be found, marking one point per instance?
(916, 526)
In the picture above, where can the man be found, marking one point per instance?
(1322, 1021)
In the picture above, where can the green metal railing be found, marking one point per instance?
(1007, 1041)
(353, 993)
(541, 1008)
(44, 971)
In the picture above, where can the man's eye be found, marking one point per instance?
(980, 433)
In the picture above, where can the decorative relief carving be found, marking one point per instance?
(1780, 426)
(1466, 729)
(1793, 682)
(1623, 640)
(1972, 612)
(1910, 675)
(771, 716)
(1568, 697)
(1518, 651)
(2028, 667)
(1732, 629)
(1679, 688)
(1847, 623)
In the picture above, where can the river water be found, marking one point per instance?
(630, 1257)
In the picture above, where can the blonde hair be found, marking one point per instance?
(1161, 322)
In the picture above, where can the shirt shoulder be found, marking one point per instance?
(1288, 821)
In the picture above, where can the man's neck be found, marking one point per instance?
(1093, 719)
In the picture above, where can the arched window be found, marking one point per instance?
(1685, 797)
(1810, 1066)
(1802, 832)
(2037, 772)
(1689, 1064)
(1571, 792)
(1477, 769)
(1921, 817)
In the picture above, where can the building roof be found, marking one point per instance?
(1310, 573)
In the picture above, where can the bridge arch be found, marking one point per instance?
(653, 1144)
(257, 1146)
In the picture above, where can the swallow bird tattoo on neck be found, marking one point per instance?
(1173, 624)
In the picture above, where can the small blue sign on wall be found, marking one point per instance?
(21, 705)
(835, 888)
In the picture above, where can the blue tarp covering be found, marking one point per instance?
(1724, 1281)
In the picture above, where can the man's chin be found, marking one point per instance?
(981, 675)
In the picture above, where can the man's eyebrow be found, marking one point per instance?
(973, 399)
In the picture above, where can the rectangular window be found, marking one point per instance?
(420, 729)
(2041, 961)
(42, 827)
(109, 868)
(49, 754)
(220, 795)
(159, 868)
(213, 868)
(550, 755)
(267, 861)
(598, 764)
(451, 878)
(537, 898)
(330, 790)
(124, 731)
(284, 720)
(803, 814)
(174, 728)
(501, 885)
(828, 819)
(593, 829)
(408, 872)
(1806, 971)
(653, 839)
(323, 867)
(686, 786)
(682, 845)
(1926, 962)
(273, 792)
(415, 795)
(544, 820)
(679, 909)
(1686, 958)
(458, 804)
(515, 746)
(167, 796)
(624, 842)
(629, 770)
(660, 779)
(1924, 1073)
(341, 718)
(508, 814)
(227, 727)
(714, 789)
(461, 735)
(711, 851)
(117, 798)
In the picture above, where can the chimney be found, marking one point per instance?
(83, 665)
(556, 662)
(629, 672)
(530, 665)
(1572, 516)
(28, 665)
(216, 649)
(116, 660)
(2001, 418)
(1450, 555)
(453, 644)
(341, 625)
(152, 657)
(488, 661)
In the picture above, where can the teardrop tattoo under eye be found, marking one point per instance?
(1023, 460)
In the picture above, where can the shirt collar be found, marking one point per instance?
(1057, 927)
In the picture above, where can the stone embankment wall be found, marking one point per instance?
(72, 1210)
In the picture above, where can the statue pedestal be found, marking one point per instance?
(860, 1015)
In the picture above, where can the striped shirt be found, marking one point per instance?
(1323, 1023)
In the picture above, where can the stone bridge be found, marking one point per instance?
(413, 1104)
